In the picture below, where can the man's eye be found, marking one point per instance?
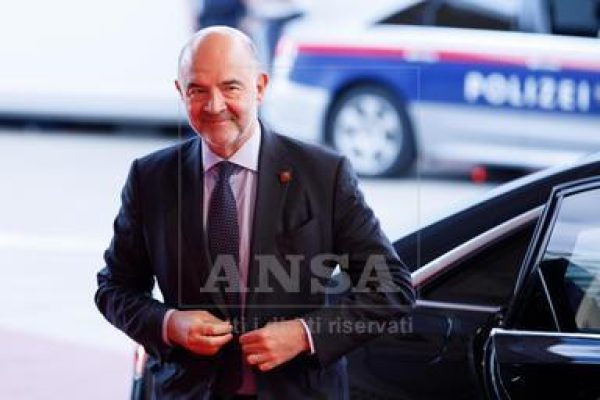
(195, 91)
(233, 88)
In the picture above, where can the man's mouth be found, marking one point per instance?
(215, 121)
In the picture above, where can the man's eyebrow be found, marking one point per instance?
(194, 85)
(232, 82)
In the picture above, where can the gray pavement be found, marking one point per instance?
(59, 194)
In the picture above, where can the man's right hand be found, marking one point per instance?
(198, 331)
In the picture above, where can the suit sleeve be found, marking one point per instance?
(124, 294)
(358, 236)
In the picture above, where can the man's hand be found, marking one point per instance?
(198, 331)
(274, 344)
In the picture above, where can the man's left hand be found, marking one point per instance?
(274, 344)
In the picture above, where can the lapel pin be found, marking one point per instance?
(285, 176)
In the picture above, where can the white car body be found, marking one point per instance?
(504, 98)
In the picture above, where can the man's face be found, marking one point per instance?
(222, 88)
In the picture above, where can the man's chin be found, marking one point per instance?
(219, 135)
(221, 140)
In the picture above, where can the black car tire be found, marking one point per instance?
(370, 126)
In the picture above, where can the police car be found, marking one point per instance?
(512, 83)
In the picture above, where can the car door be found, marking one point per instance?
(549, 345)
(460, 293)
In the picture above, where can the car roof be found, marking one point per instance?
(499, 205)
(363, 32)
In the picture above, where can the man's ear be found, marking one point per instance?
(261, 86)
(178, 87)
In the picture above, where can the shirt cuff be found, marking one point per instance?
(165, 323)
(308, 335)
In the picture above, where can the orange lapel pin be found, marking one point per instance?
(285, 176)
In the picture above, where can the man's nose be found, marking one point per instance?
(215, 103)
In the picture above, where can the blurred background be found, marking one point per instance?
(433, 101)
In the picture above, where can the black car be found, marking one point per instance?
(509, 299)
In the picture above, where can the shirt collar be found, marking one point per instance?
(246, 156)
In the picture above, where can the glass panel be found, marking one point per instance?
(536, 313)
(485, 278)
(459, 17)
(571, 262)
(575, 17)
(410, 16)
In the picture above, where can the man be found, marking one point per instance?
(242, 196)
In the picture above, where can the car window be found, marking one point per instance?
(575, 17)
(536, 313)
(570, 264)
(453, 16)
(487, 277)
(448, 15)
(413, 15)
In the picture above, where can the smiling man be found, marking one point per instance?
(219, 221)
(221, 85)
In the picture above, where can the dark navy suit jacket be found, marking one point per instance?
(158, 236)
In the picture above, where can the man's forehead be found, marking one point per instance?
(212, 74)
(217, 67)
(229, 67)
(218, 53)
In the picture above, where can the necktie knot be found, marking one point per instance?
(226, 169)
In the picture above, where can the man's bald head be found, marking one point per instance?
(221, 84)
(222, 38)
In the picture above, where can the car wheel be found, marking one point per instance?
(370, 126)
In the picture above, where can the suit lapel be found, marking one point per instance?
(191, 197)
(270, 198)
